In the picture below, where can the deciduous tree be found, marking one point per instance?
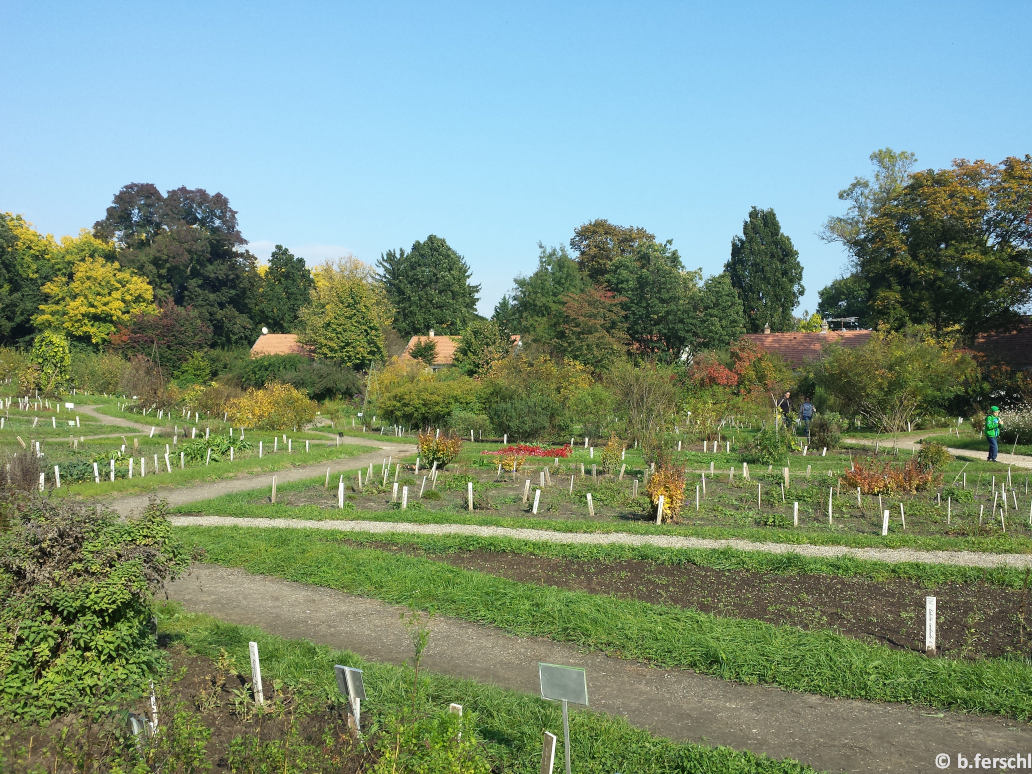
(482, 344)
(599, 243)
(284, 289)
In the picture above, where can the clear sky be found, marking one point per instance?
(344, 127)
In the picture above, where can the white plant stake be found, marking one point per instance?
(591, 506)
(469, 494)
(256, 673)
(885, 523)
(340, 492)
(930, 625)
(795, 514)
(537, 500)
(659, 510)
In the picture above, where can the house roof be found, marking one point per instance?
(279, 344)
(446, 346)
(799, 348)
(1012, 346)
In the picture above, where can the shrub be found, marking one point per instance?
(770, 446)
(324, 379)
(270, 368)
(196, 369)
(669, 482)
(824, 431)
(523, 417)
(77, 589)
(441, 450)
(94, 372)
(872, 478)
(934, 457)
(197, 450)
(427, 404)
(275, 407)
(213, 399)
(1015, 424)
(611, 455)
(51, 353)
(461, 421)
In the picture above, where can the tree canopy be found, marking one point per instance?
(284, 289)
(429, 288)
(764, 268)
(187, 245)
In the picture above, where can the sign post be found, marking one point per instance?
(349, 683)
(565, 684)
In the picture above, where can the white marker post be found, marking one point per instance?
(340, 492)
(659, 510)
(591, 506)
(256, 674)
(469, 495)
(273, 489)
(537, 501)
(548, 743)
(929, 624)
(404, 497)
(885, 523)
(795, 514)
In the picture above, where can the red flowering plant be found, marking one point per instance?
(514, 455)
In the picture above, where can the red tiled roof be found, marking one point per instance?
(279, 344)
(799, 348)
(446, 346)
(1013, 347)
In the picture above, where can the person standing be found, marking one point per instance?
(806, 414)
(785, 407)
(992, 431)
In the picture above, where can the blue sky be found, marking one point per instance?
(340, 128)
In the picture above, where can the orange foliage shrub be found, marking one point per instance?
(874, 479)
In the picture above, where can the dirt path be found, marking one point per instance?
(829, 734)
(181, 495)
(109, 420)
(962, 558)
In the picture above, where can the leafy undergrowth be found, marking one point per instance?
(743, 650)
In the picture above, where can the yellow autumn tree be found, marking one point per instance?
(96, 298)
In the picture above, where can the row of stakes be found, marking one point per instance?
(558, 683)
(167, 457)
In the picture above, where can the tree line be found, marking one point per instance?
(169, 274)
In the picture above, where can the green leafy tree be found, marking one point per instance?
(429, 288)
(658, 298)
(952, 248)
(867, 196)
(719, 319)
(764, 268)
(895, 376)
(592, 330)
(285, 288)
(810, 323)
(188, 247)
(845, 297)
(483, 342)
(425, 350)
(52, 355)
(647, 400)
(26, 264)
(347, 315)
(536, 308)
(599, 244)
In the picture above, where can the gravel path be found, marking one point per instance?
(962, 558)
(829, 734)
(911, 444)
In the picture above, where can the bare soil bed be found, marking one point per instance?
(974, 621)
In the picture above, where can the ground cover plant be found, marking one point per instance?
(736, 501)
(738, 649)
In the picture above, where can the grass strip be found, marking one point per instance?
(509, 723)
(242, 505)
(734, 649)
(216, 471)
(928, 575)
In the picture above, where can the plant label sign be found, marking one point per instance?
(563, 683)
(349, 681)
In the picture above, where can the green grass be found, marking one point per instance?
(928, 575)
(743, 650)
(242, 505)
(508, 723)
(216, 471)
(978, 443)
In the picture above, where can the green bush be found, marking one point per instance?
(196, 369)
(427, 403)
(770, 446)
(522, 417)
(270, 368)
(75, 626)
(825, 432)
(934, 456)
(461, 421)
(93, 372)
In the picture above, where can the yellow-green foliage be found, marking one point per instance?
(668, 482)
(611, 454)
(441, 450)
(274, 407)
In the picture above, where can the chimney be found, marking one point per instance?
(431, 333)
(824, 326)
(766, 328)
